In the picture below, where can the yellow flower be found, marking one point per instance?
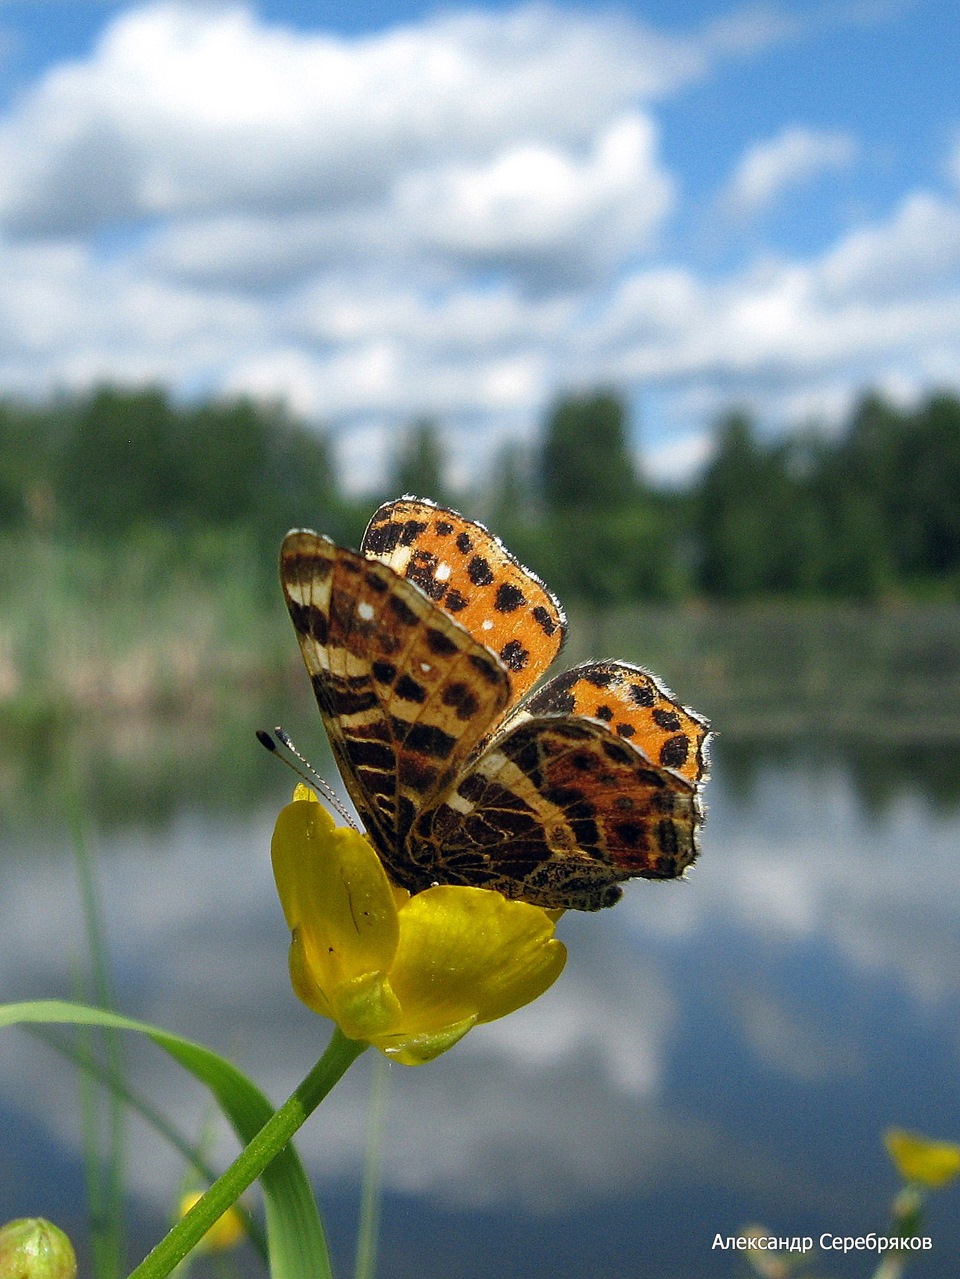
(408, 974)
(226, 1231)
(920, 1160)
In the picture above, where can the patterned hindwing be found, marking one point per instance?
(635, 706)
(404, 691)
(472, 576)
(558, 811)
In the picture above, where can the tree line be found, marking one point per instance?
(867, 512)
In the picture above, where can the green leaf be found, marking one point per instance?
(297, 1246)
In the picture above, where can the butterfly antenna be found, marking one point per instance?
(307, 773)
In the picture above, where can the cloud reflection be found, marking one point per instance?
(584, 1082)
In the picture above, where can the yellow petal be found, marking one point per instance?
(298, 825)
(336, 893)
(468, 952)
(303, 982)
(920, 1160)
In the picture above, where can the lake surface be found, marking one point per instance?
(718, 1052)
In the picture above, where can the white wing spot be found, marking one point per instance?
(459, 804)
(426, 667)
(487, 625)
(442, 572)
(366, 610)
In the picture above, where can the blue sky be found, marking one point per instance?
(380, 210)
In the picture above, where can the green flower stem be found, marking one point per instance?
(250, 1163)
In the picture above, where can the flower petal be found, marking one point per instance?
(920, 1160)
(468, 952)
(302, 980)
(335, 893)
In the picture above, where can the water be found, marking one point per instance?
(719, 1052)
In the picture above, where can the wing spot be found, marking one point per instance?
(365, 610)
(543, 619)
(382, 538)
(431, 740)
(439, 643)
(508, 598)
(643, 694)
(401, 611)
(487, 669)
(465, 543)
(674, 751)
(411, 531)
(443, 571)
(618, 753)
(409, 690)
(669, 843)
(454, 601)
(515, 655)
(667, 719)
(631, 834)
(462, 699)
(479, 572)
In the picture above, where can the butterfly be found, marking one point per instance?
(422, 649)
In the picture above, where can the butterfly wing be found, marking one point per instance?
(559, 811)
(472, 576)
(404, 691)
(634, 705)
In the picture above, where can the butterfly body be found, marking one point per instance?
(420, 648)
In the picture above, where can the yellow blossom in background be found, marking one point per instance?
(408, 974)
(225, 1233)
(920, 1160)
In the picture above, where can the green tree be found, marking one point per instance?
(926, 499)
(226, 447)
(586, 462)
(734, 518)
(419, 467)
(851, 487)
(26, 466)
(607, 538)
(120, 467)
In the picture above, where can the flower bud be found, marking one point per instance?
(32, 1248)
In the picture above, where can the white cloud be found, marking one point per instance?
(793, 158)
(457, 218)
(537, 202)
(915, 251)
(549, 215)
(185, 109)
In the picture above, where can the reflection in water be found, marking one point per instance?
(717, 1051)
(880, 773)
